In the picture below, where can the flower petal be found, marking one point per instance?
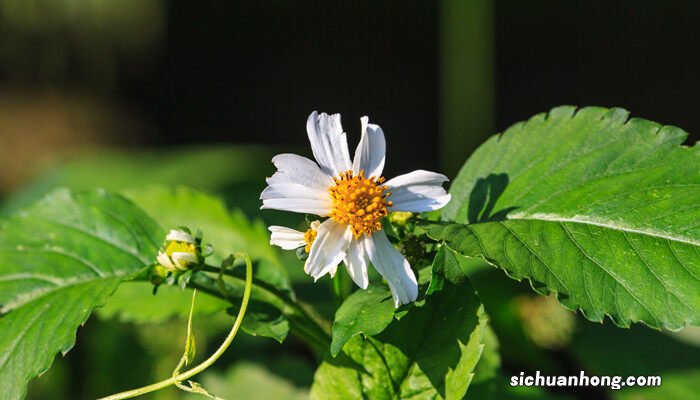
(296, 198)
(179, 236)
(286, 238)
(418, 191)
(328, 249)
(393, 267)
(181, 259)
(292, 168)
(328, 143)
(164, 261)
(371, 151)
(356, 262)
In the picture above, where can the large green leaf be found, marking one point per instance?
(59, 259)
(429, 353)
(602, 210)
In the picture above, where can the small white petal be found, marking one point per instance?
(328, 143)
(328, 249)
(164, 261)
(315, 224)
(182, 259)
(356, 262)
(296, 198)
(286, 238)
(418, 191)
(292, 168)
(179, 236)
(371, 151)
(393, 267)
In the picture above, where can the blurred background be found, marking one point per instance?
(123, 93)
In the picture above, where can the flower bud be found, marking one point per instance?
(182, 251)
(400, 218)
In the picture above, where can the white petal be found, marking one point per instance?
(328, 248)
(393, 267)
(418, 191)
(296, 198)
(292, 168)
(328, 143)
(315, 224)
(286, 238)
(371, 151)
(183, 258)
(356, 262)
(164, 261)
(179, 236)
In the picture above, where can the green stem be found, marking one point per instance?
(338, 289)
(303, 322)
(209, 361)
(310, 328)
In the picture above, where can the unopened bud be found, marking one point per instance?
(181, 251)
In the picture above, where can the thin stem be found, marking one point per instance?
(337, 289)
(209, 361)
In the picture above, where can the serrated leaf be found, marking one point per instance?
(455, 267)
(598, 208)
(59, 259)
(367, 311)
(430, 353)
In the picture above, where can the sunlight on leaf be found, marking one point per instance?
(600, 209)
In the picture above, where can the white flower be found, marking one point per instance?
(355, 197)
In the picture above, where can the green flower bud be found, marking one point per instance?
(400, 218)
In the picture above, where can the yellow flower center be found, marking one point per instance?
(309, 237)
(359, 202)
(180, 247)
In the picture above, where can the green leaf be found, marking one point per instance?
(455, 267)
(429, 353)
(367, 311)
(600, 209)
(59, 259)
(134, 302)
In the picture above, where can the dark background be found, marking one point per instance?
(221, 72)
